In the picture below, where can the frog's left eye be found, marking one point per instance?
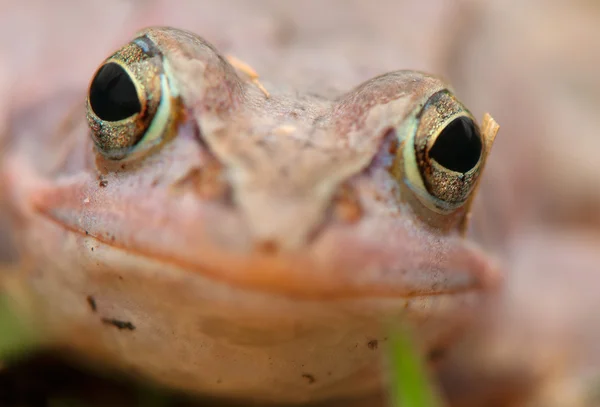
(131, 104)
(443, 153)
(113, 94)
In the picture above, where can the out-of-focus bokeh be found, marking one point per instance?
(533, 64)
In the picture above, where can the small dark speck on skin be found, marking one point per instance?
(373, 344)
(309, 378)
(91, 248)
(436, 354)
(102, 183)
(119, 324)
(92, 302)
(87, 233)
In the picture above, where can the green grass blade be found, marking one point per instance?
(16, 336)
(410, 383)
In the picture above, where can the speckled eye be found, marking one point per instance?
(131, 104)
(113, 95)
(444, 153)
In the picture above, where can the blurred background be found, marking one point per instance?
(533, 64)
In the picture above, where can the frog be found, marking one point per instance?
(191, 223)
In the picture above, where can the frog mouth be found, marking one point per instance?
(297, 277)
(345, 261)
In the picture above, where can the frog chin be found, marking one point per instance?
(168, 321)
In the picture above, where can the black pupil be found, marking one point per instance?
(458, 147)
(113, 95)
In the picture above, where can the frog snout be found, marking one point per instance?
(281, 223)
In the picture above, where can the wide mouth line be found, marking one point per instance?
(260, 287)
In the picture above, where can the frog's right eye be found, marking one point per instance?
(444, 153)
(131, 104)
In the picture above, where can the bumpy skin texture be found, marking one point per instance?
(278, 285)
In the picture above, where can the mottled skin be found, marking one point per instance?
(258, 252)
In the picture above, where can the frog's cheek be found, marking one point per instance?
(398, 257)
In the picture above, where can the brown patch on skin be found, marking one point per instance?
(310, 379)
(92, 302)
(208, 181)
(394, 145)
(267, 246)
(102, 183)
(373, 344)
(436, 354)
(119, 324)
(101, 164)
(346, 206)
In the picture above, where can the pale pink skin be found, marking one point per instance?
(486, 86)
